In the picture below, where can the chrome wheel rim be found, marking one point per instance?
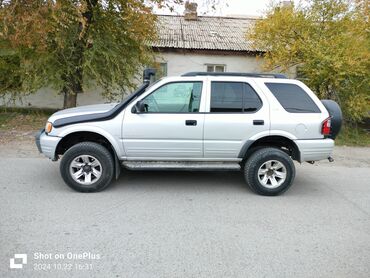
(85, 169)
(272, 174)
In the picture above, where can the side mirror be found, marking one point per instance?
(139, 107)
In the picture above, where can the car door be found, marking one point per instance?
(237, 111)
(171, 127)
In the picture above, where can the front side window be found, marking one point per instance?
(234, 97)
(180, 97)
(293, 98)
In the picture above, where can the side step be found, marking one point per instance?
(184, 165)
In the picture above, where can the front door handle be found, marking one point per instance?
(191, 122)
(258, 122)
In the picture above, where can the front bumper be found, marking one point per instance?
(46, 144)
(314, 150)
(37, 139)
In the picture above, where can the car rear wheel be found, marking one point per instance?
(269, 171)
(87, 167)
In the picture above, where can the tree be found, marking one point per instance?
(328, 40)
(68, 44)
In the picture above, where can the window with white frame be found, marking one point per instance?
(215, 68)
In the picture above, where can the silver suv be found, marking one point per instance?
(257, 123)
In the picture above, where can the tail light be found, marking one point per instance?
(326, 127)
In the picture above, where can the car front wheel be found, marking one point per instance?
(87, 167)
(269, 171)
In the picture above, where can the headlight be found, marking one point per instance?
(48, 127)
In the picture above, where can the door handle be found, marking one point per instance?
(258, 122)
(191, 122)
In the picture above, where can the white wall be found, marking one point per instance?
(179, 63)
(49, 98)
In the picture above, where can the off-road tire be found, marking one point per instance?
(257, 159)
(100, 153)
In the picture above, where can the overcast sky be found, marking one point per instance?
(227, 7)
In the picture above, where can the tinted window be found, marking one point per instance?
(182, 97)
(293, 98)
(234, 97)
(251, 101)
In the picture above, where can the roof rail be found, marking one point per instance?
(246, 74)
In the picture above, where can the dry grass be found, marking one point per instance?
(353, 136)
(20, 125)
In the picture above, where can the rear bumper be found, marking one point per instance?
(313, 150)
(46, 144)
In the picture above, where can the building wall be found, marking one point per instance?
(178, 62)
(49, 98)
(181, 62)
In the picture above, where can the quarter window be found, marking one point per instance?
(234, 97)
(293, 98)
(180, 97)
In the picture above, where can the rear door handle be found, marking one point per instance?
(258, 122)
(191, 122)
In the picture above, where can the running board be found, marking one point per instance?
(184, 165)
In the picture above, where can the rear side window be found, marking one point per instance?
(293, 98)
(233, 97)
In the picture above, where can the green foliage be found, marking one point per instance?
(329, 41)
(70, 45)
(9, 70)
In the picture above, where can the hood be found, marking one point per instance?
(82, 110)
